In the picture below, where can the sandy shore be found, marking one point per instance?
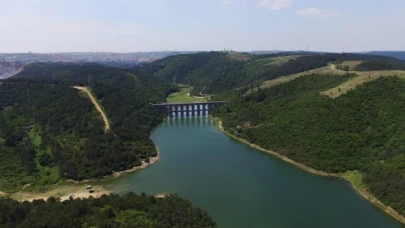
(78, 188)
(61, 192)
(363, 192)
(152, 161)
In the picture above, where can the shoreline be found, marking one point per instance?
(359, 189)
(64, 188)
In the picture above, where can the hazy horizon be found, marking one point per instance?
(196, 51)
(124, 26)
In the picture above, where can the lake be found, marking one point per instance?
(242, 187)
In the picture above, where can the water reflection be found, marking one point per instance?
(190, 121)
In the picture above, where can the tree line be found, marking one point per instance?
(111, 211)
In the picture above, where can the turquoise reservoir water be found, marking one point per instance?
(245, 188)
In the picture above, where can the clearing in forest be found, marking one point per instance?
(239, 56)
(278, 61)
(330, 69)
(350, 64)
(184, 96)
(362, 77)
(93, 100)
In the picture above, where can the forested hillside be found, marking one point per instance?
(49, 131)
(380, 65)
(395, 54)
(362, 130)
(216, 72)
(110, 211)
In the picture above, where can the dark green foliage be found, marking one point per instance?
(68, 132)
(380, 65)
(130, 210)
(149, 89)
(362, 130)
(395, 54)
(65, 120)
(215, 72)
(199, 70)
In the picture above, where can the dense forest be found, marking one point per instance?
(49, 131)
(217, 72)
(380, 65)
(395, 54)
(130, 210)
(362, 130)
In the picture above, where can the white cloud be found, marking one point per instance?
(275, 4)
(226, 2)
(319, 12)
(309, 11)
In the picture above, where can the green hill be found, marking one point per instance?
(331, 112)
(216, 72)
(50, 132)
(361, 130)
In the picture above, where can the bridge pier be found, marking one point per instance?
(188, 109)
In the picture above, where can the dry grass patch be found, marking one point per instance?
(366, 76)
(62, 191)
(330, 69)
(239, 56)
(278, 61)
(352, 64)
(363, 77)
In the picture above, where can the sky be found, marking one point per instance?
(201, 25)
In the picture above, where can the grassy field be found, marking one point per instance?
(355, 177)
(183, 96)
(278, 61)
(351, 64)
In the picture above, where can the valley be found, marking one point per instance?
(334, 115)
(202, 114)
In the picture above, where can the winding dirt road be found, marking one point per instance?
(85, 89)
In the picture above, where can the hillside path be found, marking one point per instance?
(85, 89)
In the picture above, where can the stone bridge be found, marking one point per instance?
(189, 109)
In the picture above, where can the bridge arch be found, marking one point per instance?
(188, 109)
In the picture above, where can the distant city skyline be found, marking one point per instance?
(123, 26)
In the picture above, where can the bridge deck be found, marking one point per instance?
(192, 103)
(189, 109)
